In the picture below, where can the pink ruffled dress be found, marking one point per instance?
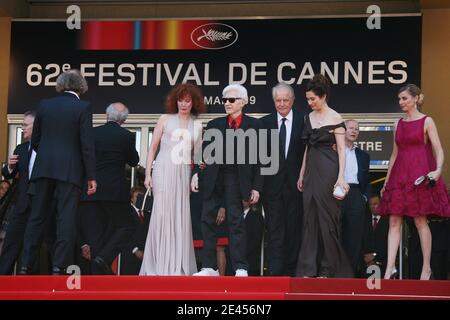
(414, 159)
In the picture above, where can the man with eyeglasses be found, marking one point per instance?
(21, 163)
(233, 178)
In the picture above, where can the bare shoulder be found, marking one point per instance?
(429, 121)
(396, 124)
(163, 119)
(336, 118)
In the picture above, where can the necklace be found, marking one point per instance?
(320, 121)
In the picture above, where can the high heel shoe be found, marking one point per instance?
(394, 274)
(431, 277)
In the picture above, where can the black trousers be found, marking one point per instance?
(107, 227)
(353, 226)
(13, 241)
(66, 197)
(236, 225)
(254, 223)
(284, 225)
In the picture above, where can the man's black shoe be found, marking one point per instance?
(24, 271)
(103, 265)
(56, 271)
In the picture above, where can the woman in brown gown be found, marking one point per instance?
(321, 253)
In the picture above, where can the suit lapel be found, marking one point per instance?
(223, 124)
(244, 123)
(274, 121)
(358, 158)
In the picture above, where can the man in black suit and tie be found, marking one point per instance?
(62, 138)
(131, 256)
(19, 163)
(233, 178)
(105, 216)
(375, 238)
(354, 208)
(281, 199)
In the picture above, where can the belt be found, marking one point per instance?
(353, 185)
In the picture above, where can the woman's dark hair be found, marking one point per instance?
(182, 90)
(414, 91)
(320, 85)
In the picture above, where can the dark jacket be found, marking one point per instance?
(363, 160)
(62, 138)
(22, 200)
(114, 149)
(249, 173)
(289, 168)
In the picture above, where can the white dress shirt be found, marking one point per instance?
(351, 166)
(31, 163)
(74, 93)
(246, 212)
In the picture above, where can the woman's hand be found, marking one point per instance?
(300, 183)
(194, 183)
(344, 185)
(435, 175)
(254, 197)
(148, 182)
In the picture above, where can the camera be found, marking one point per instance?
(425, 179)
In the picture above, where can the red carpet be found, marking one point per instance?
(209, 288)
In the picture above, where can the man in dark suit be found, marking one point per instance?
(375, 238)
(233, 178)
(62, 138)
(131, 256)
(105, 216)
(283, 206)
(18, 164)
(354, 208)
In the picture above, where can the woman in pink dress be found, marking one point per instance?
(417, 153)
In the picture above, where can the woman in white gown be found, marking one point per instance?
(169, 248)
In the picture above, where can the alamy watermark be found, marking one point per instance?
(234, 147)
(374, 20)
(74, 20)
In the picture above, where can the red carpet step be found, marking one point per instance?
(214, 288)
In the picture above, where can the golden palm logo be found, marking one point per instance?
(214, 35)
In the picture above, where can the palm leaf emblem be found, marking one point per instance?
(214, 35)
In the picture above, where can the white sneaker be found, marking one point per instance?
(241, 273)
(209, 272)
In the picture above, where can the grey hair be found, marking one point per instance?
(30, 113)
(71, 80)
(283, 86)
(351, 120)
(113, 114)
(242, 92)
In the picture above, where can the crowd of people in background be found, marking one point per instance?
(315, 216)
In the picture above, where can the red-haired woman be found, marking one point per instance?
(169, 246)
